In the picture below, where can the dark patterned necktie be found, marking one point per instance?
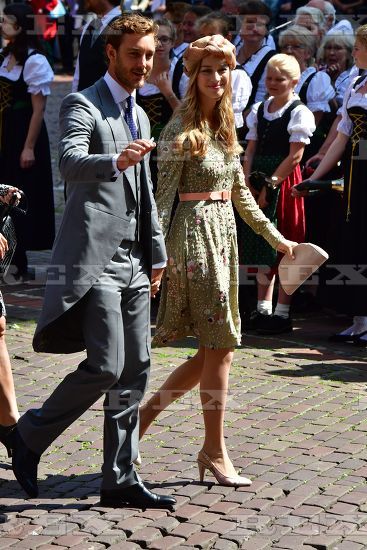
(96, 26)
(129, 117)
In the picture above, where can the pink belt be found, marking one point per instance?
(206, 196)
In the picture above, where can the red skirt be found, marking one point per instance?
(291, 210)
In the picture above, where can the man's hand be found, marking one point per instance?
(134, 153)
(286, 247)
(156, 281)
(3, 246)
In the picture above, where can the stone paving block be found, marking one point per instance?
(71, 540)
(188, 512)
(290, 541)
(185, 530)
(221, 526)
(96, 526)
(145, 536)
(271, 493)
(224, 507)
(206, 499)
(60, 529)
(343, 509)
(166, 543)
(33, 541)
(307, 511)
(130, 525)
(201, 540)
(258, 504)
(6, 542)
(127, 546)
(166, 524)
(349, 545)
(354, 497)
(323, 542)
(204, 519)
(225, 544)
(257, 542)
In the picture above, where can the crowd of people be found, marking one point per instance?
(243, 116)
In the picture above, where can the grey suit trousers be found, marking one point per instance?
(116, 323)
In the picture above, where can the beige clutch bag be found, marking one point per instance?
(293, 273)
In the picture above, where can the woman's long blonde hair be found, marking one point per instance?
(195, 136)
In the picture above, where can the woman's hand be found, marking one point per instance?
(27, 158)
(3, 246)
(296, 193)
(262, 201)
(163, 82)
(9, 195)
(286, 247)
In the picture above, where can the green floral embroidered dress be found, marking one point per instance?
(199, 291)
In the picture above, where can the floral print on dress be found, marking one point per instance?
(199, 291)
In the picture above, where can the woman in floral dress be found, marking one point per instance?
(198, 155)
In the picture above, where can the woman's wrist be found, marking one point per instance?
(272, 182)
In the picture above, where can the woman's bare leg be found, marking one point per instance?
(181, 380)
(213, 392)
(8, 404)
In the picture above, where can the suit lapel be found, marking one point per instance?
(119, 129)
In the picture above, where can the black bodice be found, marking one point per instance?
(273, 136)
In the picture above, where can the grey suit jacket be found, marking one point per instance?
(99, 212)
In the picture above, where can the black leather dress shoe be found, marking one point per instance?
(25, 464)
(359, 341)
(341, 338)
(274, 324)
(136, 496)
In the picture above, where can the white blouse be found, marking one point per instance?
(319, 91)
(352, 98)
(250, 67)
(341, 85)
(301, 125)
(37, 73)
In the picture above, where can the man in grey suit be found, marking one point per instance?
(107, 243)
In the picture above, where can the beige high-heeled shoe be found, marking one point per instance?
(137, 461)
(205, 463)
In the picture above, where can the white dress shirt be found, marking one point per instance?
(120, 96)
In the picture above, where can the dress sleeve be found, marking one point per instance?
(251, 122)
(320, 92)
(249, 210)
(38, 74)
(301, 125)
(170, 166)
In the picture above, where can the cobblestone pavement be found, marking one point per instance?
(296, 424)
